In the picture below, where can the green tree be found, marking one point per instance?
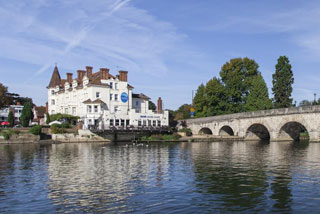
(216, 98)
(11, 119)
(237, 77)
(305, 103)
(26, 114)
(282, 83)
(258, 97)
(183, 112)
(152, 106)
(4, 97)
(47, 118)
(200, 102)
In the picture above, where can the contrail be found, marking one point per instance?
(118, 4)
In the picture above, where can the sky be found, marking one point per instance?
(169, 47)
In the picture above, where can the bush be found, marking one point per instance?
(185, 130)
(57, 130)
(7, 133)
(36, 130)
(65, 125)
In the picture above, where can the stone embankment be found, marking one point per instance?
(20, 138)
(83, 136)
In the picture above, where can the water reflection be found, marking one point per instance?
(241, 177)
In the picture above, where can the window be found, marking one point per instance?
(89, 109)
(149, 122)
(159, 123)
(139, 123)
(66, 110)
(144, 122)
(115, 85)
(137, 103)
(52, 92)
(127, 122)
(97, 94)
(154, 123)
(90, 122)
(111, 84)
(122, 122)
(117, 122)
(74, 111)
(52, 112)
(110, 96)
(111, 122)
(116, 97)
(115, 109)
(53, 102)
(95, 108)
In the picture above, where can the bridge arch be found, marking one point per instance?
(205, 130)
(226, 131)
(257, 131)
(293, 130)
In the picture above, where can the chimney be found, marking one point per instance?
(123, 76)
(80, 74)
(89, 71)
(104, 73)
(159, 106)
(69, 78)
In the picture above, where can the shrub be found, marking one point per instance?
(185, 130)
(57, 130)
(65, 125)
(36, 130)
(5, 135)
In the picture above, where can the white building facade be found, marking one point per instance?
(16, 109)
(102, 100)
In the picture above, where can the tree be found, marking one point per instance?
(216, 98)
(258, 97)
(4, 98)
(26, 114)
(237, 76)
(183, 112)
(152, 106)
(11, 118)
(200, 102)
(306, 103)
(47, 118)
(282, 83)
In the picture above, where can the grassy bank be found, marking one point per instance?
(165, 137)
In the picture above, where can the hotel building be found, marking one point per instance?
(102, 100)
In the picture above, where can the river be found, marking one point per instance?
(222, 177)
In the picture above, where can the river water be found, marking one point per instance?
(240, 177)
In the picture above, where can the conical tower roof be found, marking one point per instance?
(55, 78)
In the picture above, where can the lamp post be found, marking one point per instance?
(315, 98)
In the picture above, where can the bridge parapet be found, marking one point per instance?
(254, 114)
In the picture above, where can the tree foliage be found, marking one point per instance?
(237, 76)
(64, 117)
(258, 97)
(26, 114)
(183, 112)
(241, 88)
(11, 118)
(152, 106)
(282, 83)
(4, 98)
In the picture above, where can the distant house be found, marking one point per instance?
(16, 109)
(39, 115)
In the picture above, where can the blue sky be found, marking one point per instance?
(169, 47)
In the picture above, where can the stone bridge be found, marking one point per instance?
(275, 125)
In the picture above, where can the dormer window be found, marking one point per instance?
(52, 92)
(111, 84)
(97, 94)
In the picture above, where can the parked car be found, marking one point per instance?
(18, 126)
